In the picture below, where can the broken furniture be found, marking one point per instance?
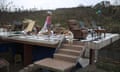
(4, 65)
(74, 27)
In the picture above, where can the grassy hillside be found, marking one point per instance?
(109, 20)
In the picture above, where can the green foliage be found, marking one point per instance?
(108, 66)
(86, 14)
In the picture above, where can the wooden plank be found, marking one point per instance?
(55, 65)
(29, 42)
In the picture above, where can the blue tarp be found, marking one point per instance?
(40, 52)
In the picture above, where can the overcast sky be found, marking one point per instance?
(53, 4)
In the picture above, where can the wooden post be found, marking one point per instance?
(27, 55)
(92, 56)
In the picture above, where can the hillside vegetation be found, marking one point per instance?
(109, 18)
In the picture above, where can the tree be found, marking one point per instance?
(5, 5)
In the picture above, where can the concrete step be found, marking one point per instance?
(64, 57)
(74, 47)
(69, 52)
(55, 65)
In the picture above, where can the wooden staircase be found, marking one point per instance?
(69, 52)
(64, 59)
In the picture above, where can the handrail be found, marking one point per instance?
(81, 53)
(60, 43)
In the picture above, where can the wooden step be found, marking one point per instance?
(69, 58)
(69, 52)
(76, 43)
(55, 65)
(74, 47)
